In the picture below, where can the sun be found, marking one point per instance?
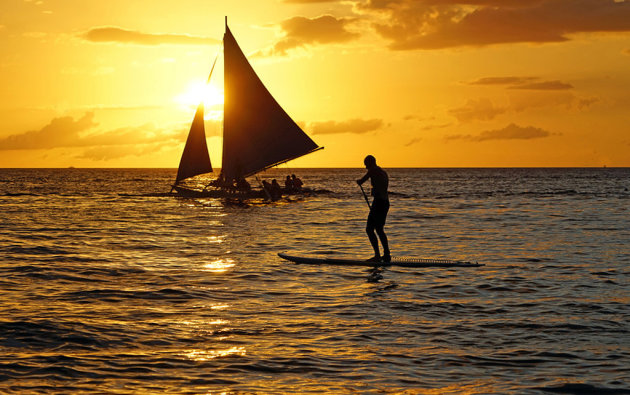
(199, 91)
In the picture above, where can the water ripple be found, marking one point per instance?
(109, 285)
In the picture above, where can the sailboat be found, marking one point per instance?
(257, 133)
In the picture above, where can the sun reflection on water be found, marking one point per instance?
(216, 239)
(198, 323)
(219, 265)
(206, 355)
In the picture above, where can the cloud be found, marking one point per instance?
(357, 126)
(480, 109)
(586, 102)
(60, 132)
(109, 152)
(300, 32)
(510, 132)
(502, 80)
(68, 132)
(413, 141)
(521, 100)
(544, 85)
(437, 24)
(526, 92)
(139, 141)
(436, 126)
(529, 83)
(112, 34)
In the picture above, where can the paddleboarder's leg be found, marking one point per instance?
(376, 226)
(383, 237)
(380, 209)
(369, 229)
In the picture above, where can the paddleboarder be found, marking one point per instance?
(378, 210)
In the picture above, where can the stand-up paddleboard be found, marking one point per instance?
(403, 262)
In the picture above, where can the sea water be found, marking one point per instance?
(109, 285)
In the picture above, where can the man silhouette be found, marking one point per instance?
(378, 211)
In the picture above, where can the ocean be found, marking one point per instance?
(109, 285)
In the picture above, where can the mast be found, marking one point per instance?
(195, 158)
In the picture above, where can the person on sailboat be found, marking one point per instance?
(378, 211)
(297, 183)
(267, 187)
(288, 184)
(242, 185)
(276, 191)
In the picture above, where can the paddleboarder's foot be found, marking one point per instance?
(375, 258)
(387, 258)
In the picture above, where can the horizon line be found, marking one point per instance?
(327, 167)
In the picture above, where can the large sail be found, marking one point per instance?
(257, 132)
(195, 159)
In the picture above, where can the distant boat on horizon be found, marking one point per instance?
(257, 133)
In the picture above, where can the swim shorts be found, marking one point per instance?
(378, 213)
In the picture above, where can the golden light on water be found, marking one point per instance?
(213, 322)
(218, 322)
(219, 265)
(216, 239)
(206, 355)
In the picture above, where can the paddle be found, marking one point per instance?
(365, 197)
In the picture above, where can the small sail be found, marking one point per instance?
(257, 132)
(195, 159)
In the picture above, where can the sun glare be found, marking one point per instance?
(200, 91)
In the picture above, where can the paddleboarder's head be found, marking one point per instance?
(369, 161)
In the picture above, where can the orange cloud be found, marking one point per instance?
(108, 152)
(438, 126)
(112, 34)
(510, 132)
(357, 126)
(68, 132)
(530, 99)
(413, 141)
(529, 83)
(300, 31)
(436, 24)
(480, 109)
(502, 80)
(525, 93)
(544, 85)
(60, 132)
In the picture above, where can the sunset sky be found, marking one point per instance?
(416, 83)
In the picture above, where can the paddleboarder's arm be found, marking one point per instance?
(364, 178)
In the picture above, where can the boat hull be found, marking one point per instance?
(219, 193)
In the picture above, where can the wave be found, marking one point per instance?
(36, 250)
(583, 389)
(15, 194)
(115, 295)
(46, 335)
